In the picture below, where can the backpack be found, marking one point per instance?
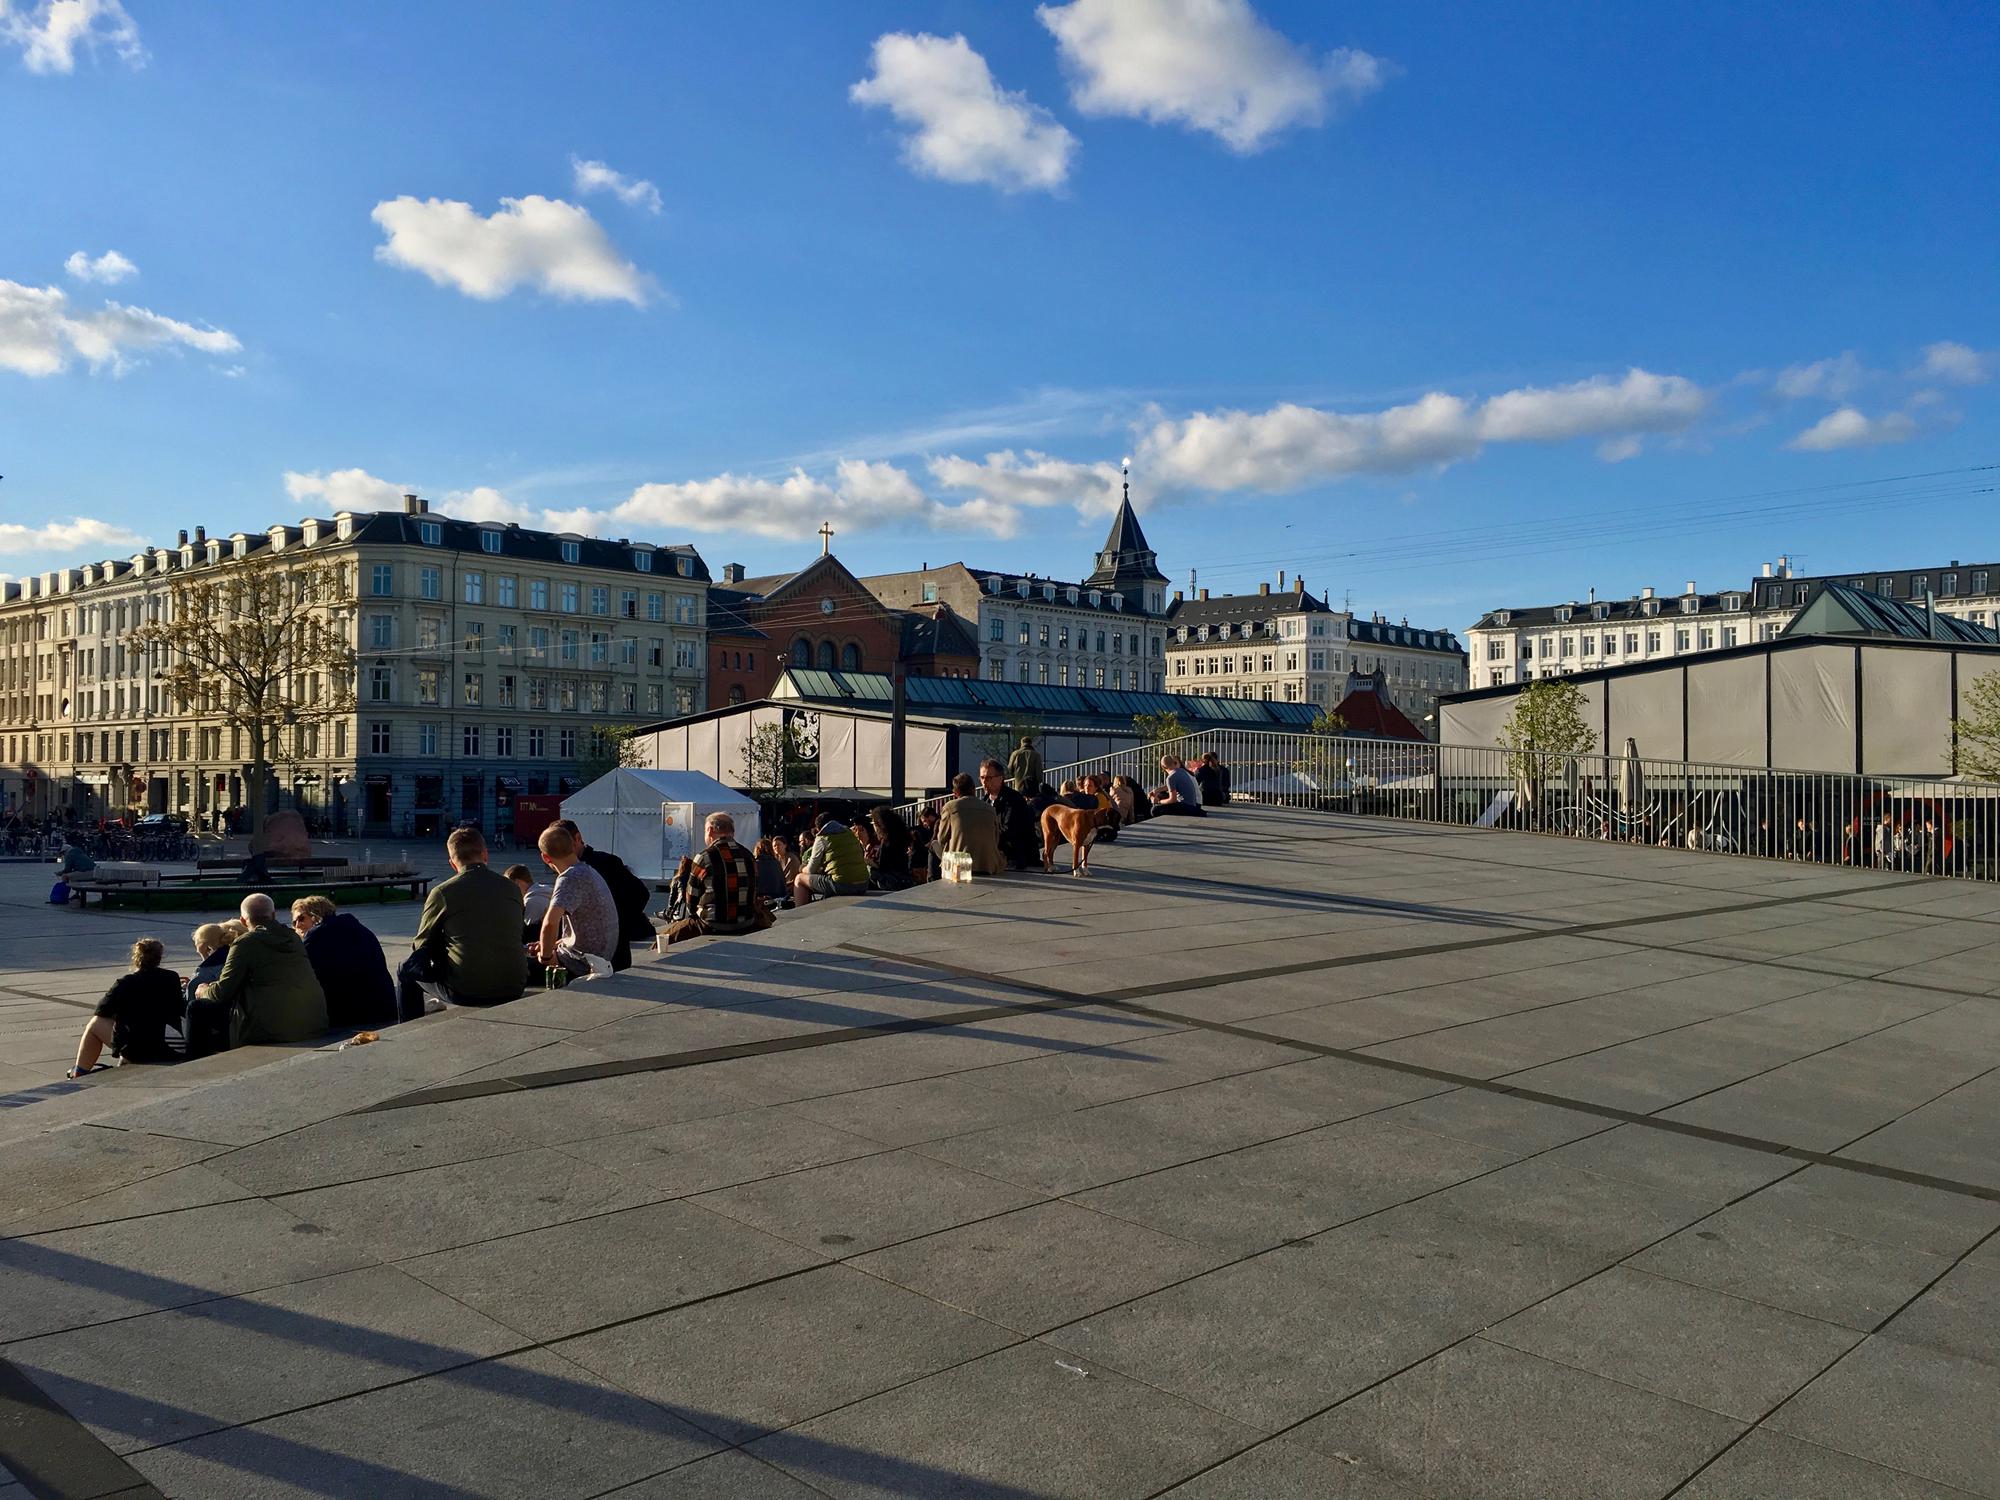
(59, 893)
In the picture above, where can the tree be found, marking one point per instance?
(251, 643)
(1157, 729)
(605, 749)
(1327, 721)
(1976, 734)
(1546, 725)
(767, 762)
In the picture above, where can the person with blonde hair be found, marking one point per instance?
(347, 958)
(267, 981)
(133, 1017)
(206, 1024)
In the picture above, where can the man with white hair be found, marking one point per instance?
(268, 982)
(721, 886)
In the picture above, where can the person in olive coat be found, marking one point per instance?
(268, 982)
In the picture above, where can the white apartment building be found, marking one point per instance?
(1105, 631)
(1288, 646)
(1548, 640)
(486, 657)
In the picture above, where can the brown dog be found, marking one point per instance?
(1077, 825)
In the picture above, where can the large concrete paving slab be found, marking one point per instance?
(1293, 1155)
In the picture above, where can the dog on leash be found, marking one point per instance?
(1078, 825)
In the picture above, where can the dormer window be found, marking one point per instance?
(1096, 599)
(1650, 607)
(215, 552)
(1600, 612)
(1502, 617)
(684, 565)
(643, 561)
(1182, 637)
(993, 585)
(489, 539)
(1117, 601)
(430, 533)
(1690, 603)
(310, 528)
(1225, 632)
(1022, 588)
(343, 527)
(277, 534)
(1562, 615)
(1048, 591)
(1732, 601)
(572, 552)
(1201, 634)
(1072, 594)
(187, 557)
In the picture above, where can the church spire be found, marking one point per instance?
(1126, 564)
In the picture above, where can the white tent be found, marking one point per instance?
(650, 819)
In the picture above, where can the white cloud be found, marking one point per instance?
(48, 34)
(1848, 428)
(40, 334)
(66, 536)
(1291, 446)
(484, 503)
(966, 128)
(1956, 364)
(344, 489)
(633, 192)
(860, 496)
(1037, 479)
(1207, 64)
(109, 268)
(544, 243)
(1835, 379)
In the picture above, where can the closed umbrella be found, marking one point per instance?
(1631, 777)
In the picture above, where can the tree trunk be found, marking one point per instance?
(260, 778)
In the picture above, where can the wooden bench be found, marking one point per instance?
(184, 894)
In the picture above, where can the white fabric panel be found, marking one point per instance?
(732, 738)
(1905, 711)
(702, 750)
(871, 754)
(1592, 709)
(924, 758)
(1477, 721)
(1726, 711)
(836, 750)
(670, 750)
(759, 717)
(1812, 709)
(1646, 707)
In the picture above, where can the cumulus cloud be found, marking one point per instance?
(1209, 65)
(66, 536)
(1835, 379)
(50, 33)
(484, 503)
(1848, 428)
(109, 268)
(1955, 364)
(1291, 446)
(859, 496)
(545, 243)
(344, 489)
(41, 334)
(633, 192)
(1033, 479)
(964, 126)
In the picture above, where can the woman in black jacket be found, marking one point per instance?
(892, 855)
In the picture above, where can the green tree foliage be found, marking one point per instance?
(1547, 724)
(1976, 732)
(605, 748)
(1159, 728)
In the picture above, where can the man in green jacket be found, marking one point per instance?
(837, 865)
(268, 982)
(468, 940)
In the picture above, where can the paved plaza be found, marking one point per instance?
(1291, 1156)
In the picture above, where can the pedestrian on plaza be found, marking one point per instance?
(133, 1017)
(722, 894)
(1024, 766)
(347, 958)
(836, 865)
(581, 923)
(534, 900)
(467, 948)
(628, 893)
(1020, 843)
(1180, 794)
(267, 981)
(968, 825)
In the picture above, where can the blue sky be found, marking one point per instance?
(1444, 307)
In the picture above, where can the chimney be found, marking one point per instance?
(732, 572)
(1265, 588)
(412, 506)
(184, 536)
(1299, 585)
(1204, 593)
(200, 536)
(1593, 593)
(1646, 592)
(1177, 597)
(1281, 580)
(1691, 588)
(1784, 566)
(1767, 570)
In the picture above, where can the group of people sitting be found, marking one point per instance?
(258, 980)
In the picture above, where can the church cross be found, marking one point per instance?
(825, 538)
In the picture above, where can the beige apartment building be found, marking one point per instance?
(1285, 645)
(486, 657)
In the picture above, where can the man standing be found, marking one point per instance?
(968, 826)
(721, 886)
(628, 894)
(1024, 767)
(1018, 838)
(268, 982)
(582, 919)
(468, 940)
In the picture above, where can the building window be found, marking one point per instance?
(656, 607)
(568, 645)
(643, 561)
(381, 685)
(473, 682)
(381, 631)
(430, 533)
(1680, 640)
(378, 738)
(572, 551)
(382, 580)
(628, 604)
(1886, 587)
(802, 652)
(566, 744)
(503, 740)
(600, 599)
(684, 610)
(475, 638)
(503, 590)
(1920, 584)
(997, 630)
(427, 739)
(930, 593)
(538, 743)
(684, 657)
(506, 696)
(1728, 635)
(600, 649)
(538, 593)
(1978, 583)
(1708, 640)
(826, 656)
(470, 739)
(489, 541)
(850, 657)
(430, 583)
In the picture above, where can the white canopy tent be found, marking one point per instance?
(650, 819)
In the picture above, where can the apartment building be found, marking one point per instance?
(1548, 640)
(1105, 630)
(486, 657)
(1285, 645)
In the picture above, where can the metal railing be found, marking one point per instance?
(1946, 826)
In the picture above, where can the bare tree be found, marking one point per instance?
(250, 644)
